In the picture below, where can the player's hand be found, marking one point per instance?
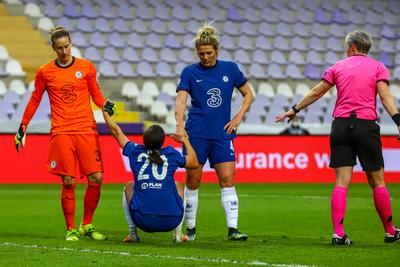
(179, 134)
(233, 125)
(20, 136)
(181, 139)
(109, 107)
(290, 114)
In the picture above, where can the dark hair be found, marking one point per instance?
(58, 32)
(153, 139)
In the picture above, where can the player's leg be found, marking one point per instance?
(92, 196)
(61, 162)
(191, 194)
(226, 172)
(68, 205)
(90, 162)
(126, 199)
(193, 178)
(223, 160)
(177, 235)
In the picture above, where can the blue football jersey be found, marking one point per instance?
(155, 191)
(211, 91)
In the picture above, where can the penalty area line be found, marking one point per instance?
(146, 255)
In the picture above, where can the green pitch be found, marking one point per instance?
(288, 225)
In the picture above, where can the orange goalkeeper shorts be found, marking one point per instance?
(66, 150)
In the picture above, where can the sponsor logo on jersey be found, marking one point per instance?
(225, 78)
(152, 186)
(78, 74)
(198, 81)
(215, 99)
(69, 95)
(53, 164)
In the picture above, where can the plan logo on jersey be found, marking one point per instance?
(225, 78)
(215, 99)
(151, 186)
(78, 74)
(145, 185)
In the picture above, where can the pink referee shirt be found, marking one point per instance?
(355, 78)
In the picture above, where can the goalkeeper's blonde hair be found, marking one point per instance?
(207, 35)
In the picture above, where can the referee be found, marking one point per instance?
(355, 133)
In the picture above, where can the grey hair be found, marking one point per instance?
(361, 39)
(207, 35)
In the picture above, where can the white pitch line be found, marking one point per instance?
(125, 253)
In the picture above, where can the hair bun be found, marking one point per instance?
(57, 28)
(207, 35)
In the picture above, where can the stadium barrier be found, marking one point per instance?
(260, 159)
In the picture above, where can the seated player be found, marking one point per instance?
(153, 202)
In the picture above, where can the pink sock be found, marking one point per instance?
(338, 206)
(382, 205)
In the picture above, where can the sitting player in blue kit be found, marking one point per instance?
(153, 202)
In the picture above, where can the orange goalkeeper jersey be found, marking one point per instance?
(69, 90)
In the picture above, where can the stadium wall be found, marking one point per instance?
(260, 159)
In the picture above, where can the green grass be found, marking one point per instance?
(287, 224)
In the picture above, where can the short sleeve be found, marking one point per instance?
(329, 75)
(240, 78)
(180, 159)
(382, 74)
(129, 149)
(184, 80)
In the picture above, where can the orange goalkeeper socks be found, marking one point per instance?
(92, 196)
(68, 204)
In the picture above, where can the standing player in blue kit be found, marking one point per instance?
(209, 126)
(153, 202)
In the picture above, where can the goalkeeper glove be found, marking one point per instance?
(109, 107)
(20, 137)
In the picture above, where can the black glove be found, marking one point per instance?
(109, 107)
(19, 139)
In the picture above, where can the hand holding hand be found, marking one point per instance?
(109, 107)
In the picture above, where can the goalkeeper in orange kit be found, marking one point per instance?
(70, 84)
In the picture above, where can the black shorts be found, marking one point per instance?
(363, 141)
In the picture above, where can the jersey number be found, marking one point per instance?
(215, 99)
(156, 175)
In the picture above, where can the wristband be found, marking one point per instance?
(295, 109)
(396, 118)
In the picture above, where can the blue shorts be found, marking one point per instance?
(215, 150)
(155, 223)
